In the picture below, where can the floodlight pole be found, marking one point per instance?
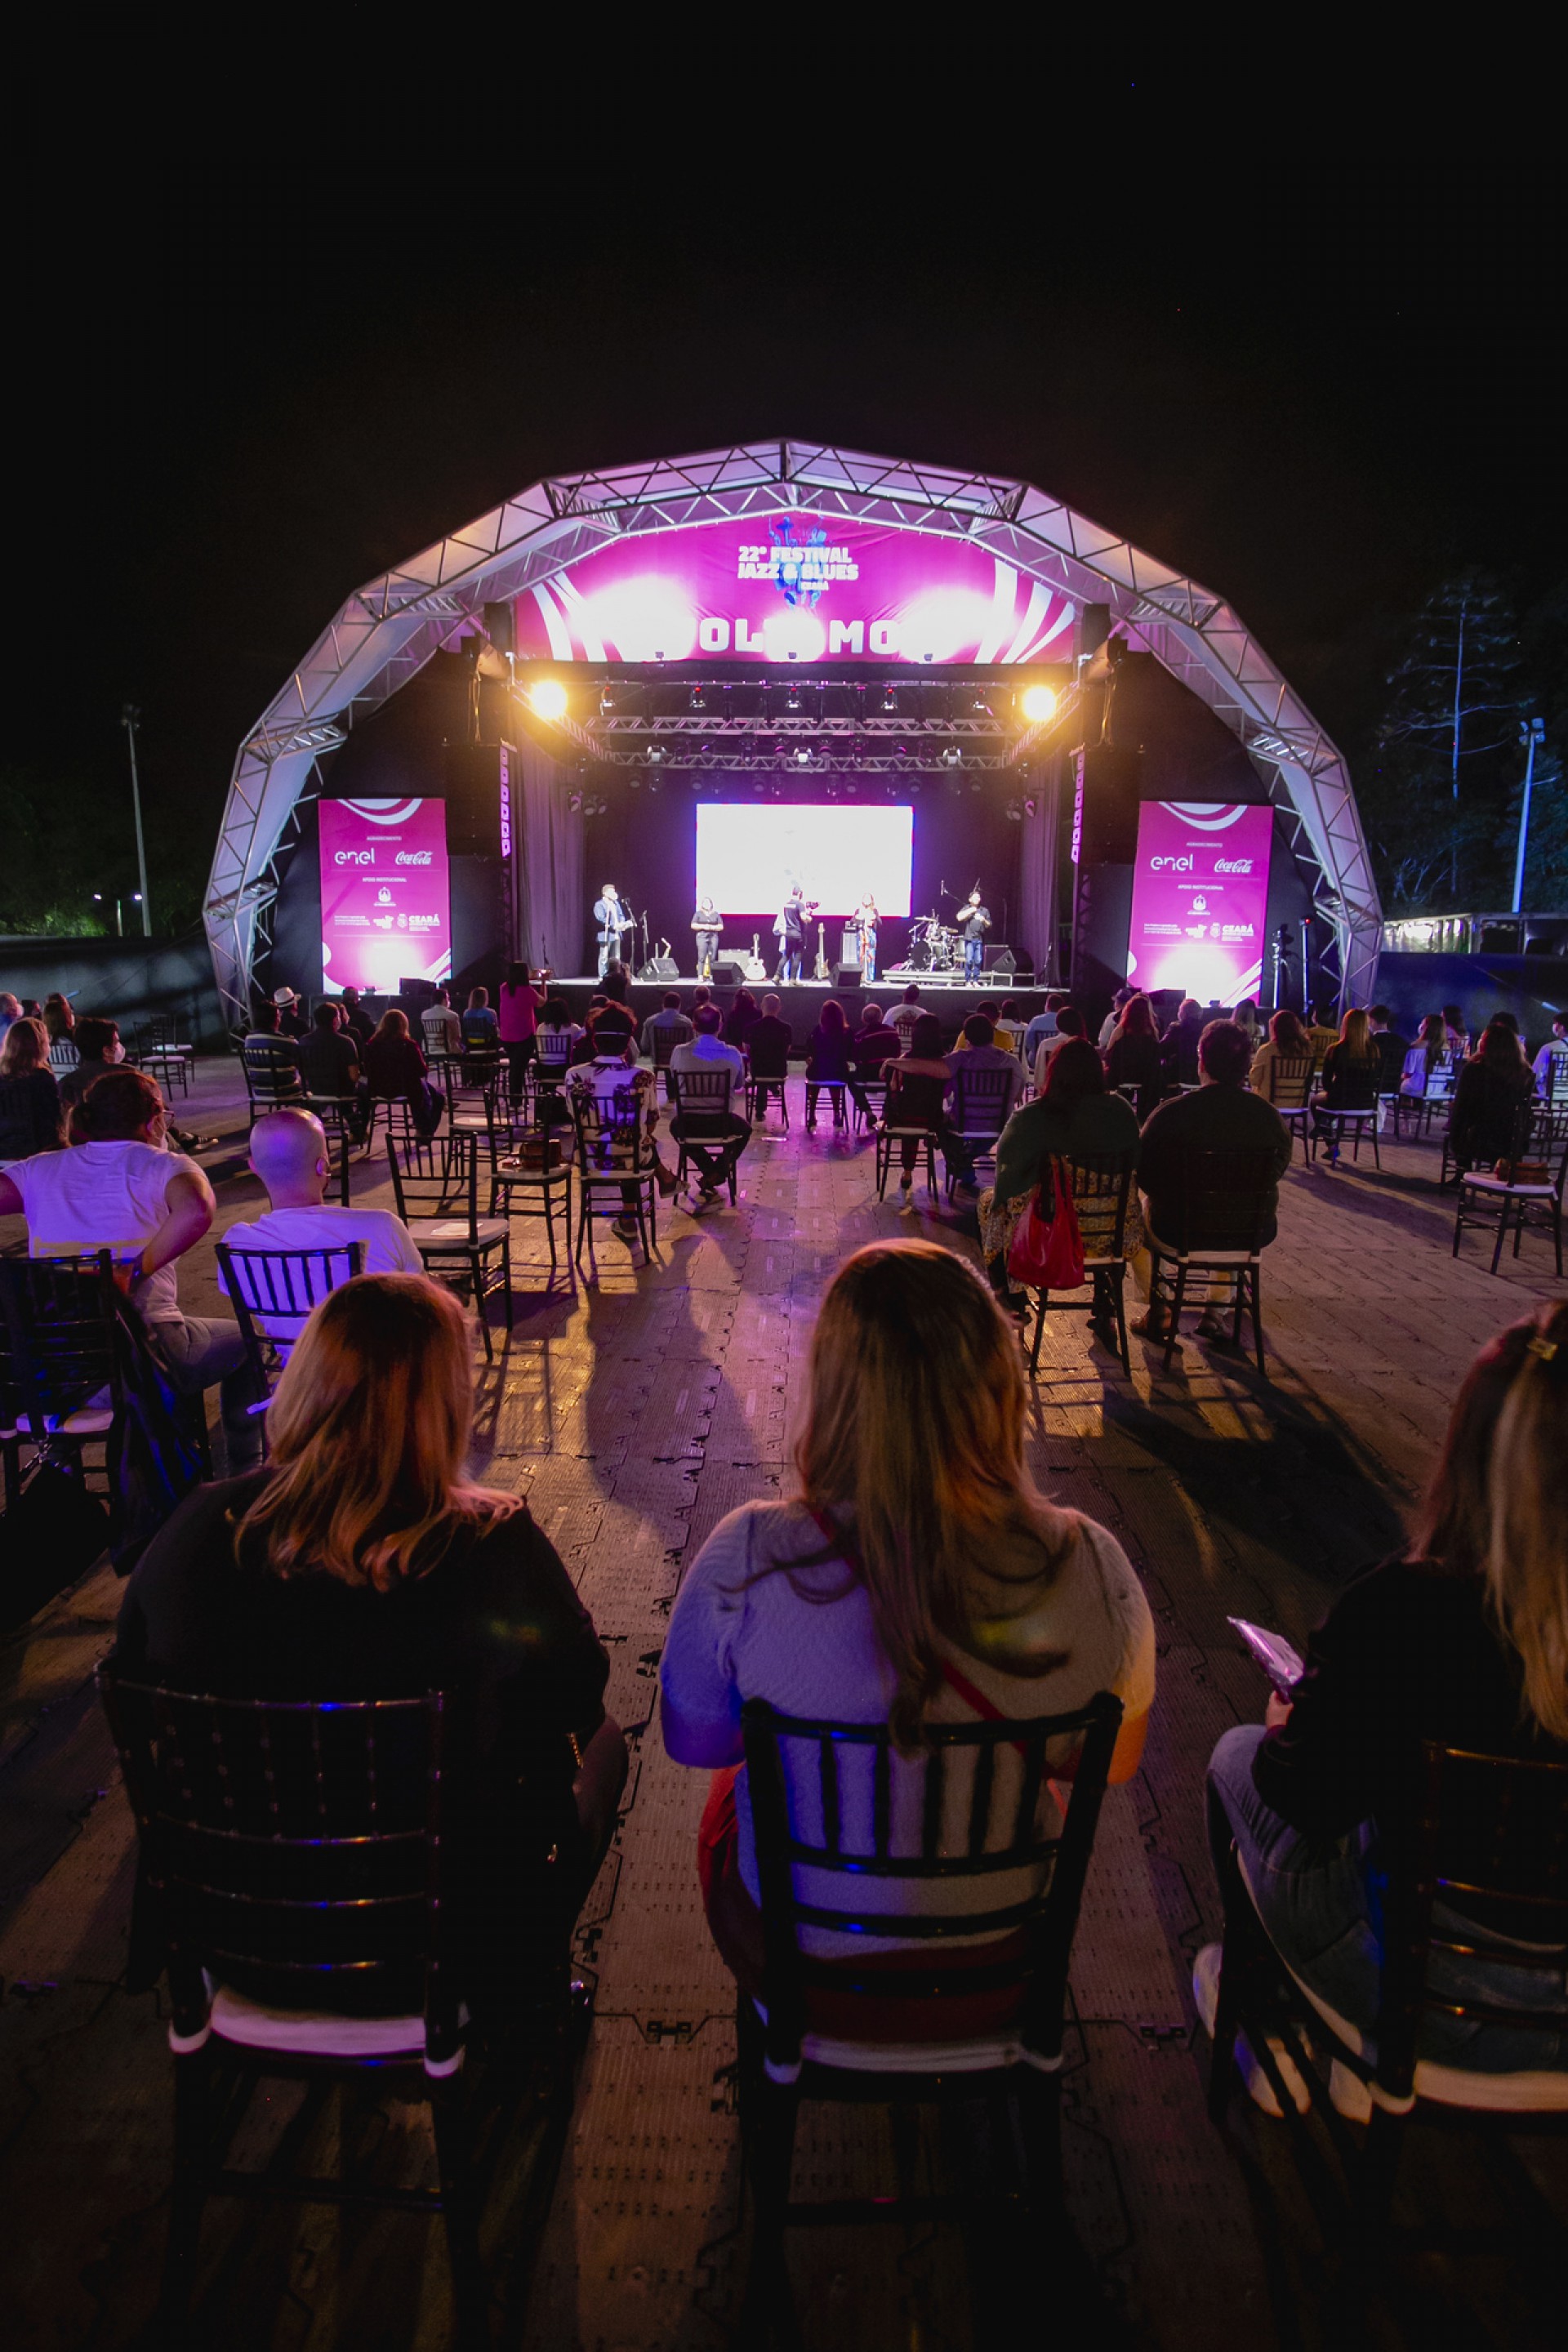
(128, 715)
(1531, 731)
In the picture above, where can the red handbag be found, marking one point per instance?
(1047, 1253)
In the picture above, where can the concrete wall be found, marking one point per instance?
(1534, 988)
(129, 980)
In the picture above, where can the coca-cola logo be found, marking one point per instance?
(1233, 866)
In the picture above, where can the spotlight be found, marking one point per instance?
(979, 708)
(791, 700)
(1029, 807)
(952, 757)
(802, 755)
(607, 702)
(697, 700)
(1014, 813)
(574, 803)
(634, 781)
(974, 786)
(655, 754)
(1037, 703)
(889, 698)
(759, 788)
(547, 699)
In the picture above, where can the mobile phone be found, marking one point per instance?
(1283, 1664)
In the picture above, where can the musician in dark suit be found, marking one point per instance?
(789, 929)
(707, 923)
(614, 922)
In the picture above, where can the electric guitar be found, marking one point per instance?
(820, 971)
(755, 968)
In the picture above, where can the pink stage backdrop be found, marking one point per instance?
(1200, 898)
(800, 587)
(386, 897)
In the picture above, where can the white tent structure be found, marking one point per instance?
(388, 629)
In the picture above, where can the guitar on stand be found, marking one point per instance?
(820, 971)
(755, 968)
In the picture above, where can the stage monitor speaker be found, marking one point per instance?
(480, 820)
(727, 973)
(1001, 960)
(660, 968)
(846, 976)
(418, 992)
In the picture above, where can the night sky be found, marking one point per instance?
(1314, 358)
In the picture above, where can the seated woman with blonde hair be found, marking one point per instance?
(361, 1562)
(919, 1575)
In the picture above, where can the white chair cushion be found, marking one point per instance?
(1515, 1192)
(315, 2033)
(911, 2057)
(452, 1233)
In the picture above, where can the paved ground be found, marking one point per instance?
(634, 1412)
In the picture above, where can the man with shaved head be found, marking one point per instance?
(288, 1151)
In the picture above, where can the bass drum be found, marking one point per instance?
(918, 955)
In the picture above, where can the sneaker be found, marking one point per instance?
(625, 1229)
(1260, 2089)
(665, 1178)
(1150, 1327)
(1210, 1327)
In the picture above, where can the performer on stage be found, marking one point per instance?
(974, 922)
(613, 923)
(789, 929)
(865, 921)
(707, 922)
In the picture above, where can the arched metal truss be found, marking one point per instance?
(387, 630)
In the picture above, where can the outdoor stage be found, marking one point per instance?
(802, 1001)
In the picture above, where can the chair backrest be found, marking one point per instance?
(610, 1125)
(980, 1097)
(703, 1090)
(1289, 1082)
(436, 1176)
(1442, 1075)
(1491, 1832)
(1101, 1182)
(272, 1292)
(768, 1057)
(839, 1817)
(294, 1851)
(665, 1041)
(63, 1056)
(1354, 1082)
(271, 1074)
(1221, 1200)
(901, 1082)
(432, 1023)
(57, 1337)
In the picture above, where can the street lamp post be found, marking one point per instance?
(1531, 732)
(129, 718)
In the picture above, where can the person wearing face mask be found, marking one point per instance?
(98, 1043)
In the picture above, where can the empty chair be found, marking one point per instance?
(60, 1384)
(1518, 1198)
(435, 1180)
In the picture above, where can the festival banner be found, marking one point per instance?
(801, 587)
(385, 893)
(1200, 898)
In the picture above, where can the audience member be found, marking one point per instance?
(667, 1028)
(1044, 1025)
(611, 1071)
(397, 1071)
(978, 1053)
(1322, 1028)
(1219, 1114)
(1348, 1082)
(98, 1048)
(1077, 1113)
(557, 1032)
(1551, 1065)
(289, 1008)
(1286, 1042)
(363, 1563)
(1460, 1639)
(10, 1010)
(919, 1084)
(740, 1018)
(906, 1014)
(1134, 1060)
(329, 1063)
(615, 983)
(31, 1118)
(1245, 1018)
(1389, 1048)
(1492, 1100)
(441, 1028)
(1069, 1024)
(481, 1030)
(271, 1060)
(1181, 1043)
(714, 1137)
(60, 1016)
(1459, 1035)
(990, 1012)
(871, 1048)
(121, 1190)
(1009, 1026)
(355, 1017)
(919, 1576)
(517, 1012)
(1431, 1047)
(827, 1061)
(289, 1153)
(1119, 1004)
(769, 1044)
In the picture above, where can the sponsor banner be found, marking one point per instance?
(385, 895)
(797, 587)
(1200, 898)
(749, 853)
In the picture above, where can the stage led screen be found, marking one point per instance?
(800, 587)
(749, 853)
(1200, 898)
(387, 911)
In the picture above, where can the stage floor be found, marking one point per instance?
(951, 997)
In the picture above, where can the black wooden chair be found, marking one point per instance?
(981, 1102)
(1331, 1122)
(435, 1183)
(530, 1175)
(1287, 1085)
(1101, 1190)
(1495, 1200)
(1489, 1830)
(989, 1945)
(272, 1077)
(273, 1293)
(158, 1049)
(60, 1384)
(293, 1857)
(1219, 1212)
(896, 1128)
(338, 1114)
(615, 1154)
(770, 1075)
(869, 1097)
(703, 1095)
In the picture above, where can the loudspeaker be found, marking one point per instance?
(1105, 804)
(1001, 960)
(418, 992)
(660, 968)
(499, 626)
(478, 799)
(727, 973)
(846, 976)
(1102, 919)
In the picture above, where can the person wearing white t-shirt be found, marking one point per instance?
(288, 1151)
(893, 1591)
(120, 1189)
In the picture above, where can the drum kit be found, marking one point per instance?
(933, 946)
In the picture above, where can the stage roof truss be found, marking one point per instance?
(389, 628)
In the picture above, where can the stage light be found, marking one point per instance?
(574, 803)
(889, 698)
(1029, 807)
(1014, 813)
(634, 781)
(952, 757)
(1038, 703)
(802, 755)
(655, 753)
(791, 700)
(698, 699)
(607, 702)
(547, 699)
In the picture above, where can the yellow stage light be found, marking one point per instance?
(547, 697)
(1039, 702)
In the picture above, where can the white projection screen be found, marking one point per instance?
(749, 853)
